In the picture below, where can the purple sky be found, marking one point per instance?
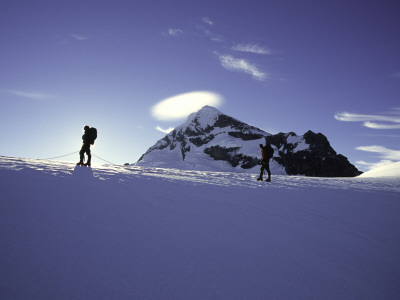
(329, 66)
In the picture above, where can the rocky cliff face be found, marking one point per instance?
(310, 155)
(210, 140)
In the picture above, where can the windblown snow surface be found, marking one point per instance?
(114, 232)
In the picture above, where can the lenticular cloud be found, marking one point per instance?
(180, 106)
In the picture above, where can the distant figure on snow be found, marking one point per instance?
(88, 139)
(266, 154)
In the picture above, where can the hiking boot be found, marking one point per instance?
(268, 179)
(259, 179)
(87, 165)
(80, 163)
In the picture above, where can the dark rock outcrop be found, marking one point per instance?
(232, 156)
(318, 160)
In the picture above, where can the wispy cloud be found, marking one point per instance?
(211, 35)
(29, 95)
(370, 166)
(383, 152)
(164, 130)
(391, 120)
(381, 126)
(251, 48)
(382, 135)
(174, 32)
(208, 21)
(79, 37)
(395, 111)
(241, 65)
(386, 156)
(351, 117)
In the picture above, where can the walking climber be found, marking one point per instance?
(88, 139)
(266, 154)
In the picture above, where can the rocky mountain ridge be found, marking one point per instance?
(211, 140)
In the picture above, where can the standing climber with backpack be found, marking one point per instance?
(266, 154)
(88, 139)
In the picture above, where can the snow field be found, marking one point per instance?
(145, 233)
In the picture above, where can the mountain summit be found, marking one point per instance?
(210, 140)
(205, 117)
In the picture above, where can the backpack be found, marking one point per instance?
(269, 152)
(92, 135)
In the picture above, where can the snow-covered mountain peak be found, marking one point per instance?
(209, 111)
(205, 117)
(211, 140)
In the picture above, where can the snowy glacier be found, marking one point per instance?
(113, 232)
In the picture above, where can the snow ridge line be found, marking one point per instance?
(128, 174)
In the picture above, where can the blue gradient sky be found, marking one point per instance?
(279, 65)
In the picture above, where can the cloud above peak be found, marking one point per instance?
(180, 106)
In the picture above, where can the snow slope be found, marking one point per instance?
(115, 232)
(390, 170)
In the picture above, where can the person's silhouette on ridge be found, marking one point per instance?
(87, 141)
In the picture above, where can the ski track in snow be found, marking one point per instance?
(128, 173)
